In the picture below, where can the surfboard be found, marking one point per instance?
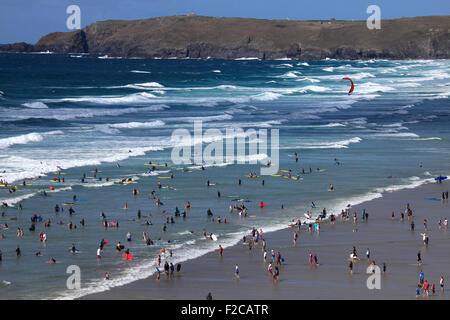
(276, 175)
(330, 190)
(252, 216)
(155, 165)
(164, 177)
(442, 178)
(214, 237)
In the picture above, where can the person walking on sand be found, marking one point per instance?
(316, 262)
(350, 266)
(419, 258)
(220, 250)
(441, 284)
(426, 288)
(236, 271)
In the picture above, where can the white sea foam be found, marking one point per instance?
(149, 85)
(132, 125)
(308, 79)
(266, 96)
(397, 135)
(74, 113)
(290, 74)
(22, 139)
(140, 71)
(13, 201)
(135, 98)
(372, 87)
(248, 58)
(206, 118)
(341, 144)
(35, 105)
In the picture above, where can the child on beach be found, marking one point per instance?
(236, 271)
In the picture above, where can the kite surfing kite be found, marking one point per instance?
(353, 87)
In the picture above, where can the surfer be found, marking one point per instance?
(52, 260)
(73, 249)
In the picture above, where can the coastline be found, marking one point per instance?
(390, 242)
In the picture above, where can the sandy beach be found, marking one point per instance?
(390, 241)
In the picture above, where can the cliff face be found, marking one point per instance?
(231, 38)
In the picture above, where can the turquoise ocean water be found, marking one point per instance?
(79, 113)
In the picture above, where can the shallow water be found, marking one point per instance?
(86, 113)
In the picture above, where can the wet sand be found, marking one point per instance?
(390, 242)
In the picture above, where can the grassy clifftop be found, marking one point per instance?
(230, 38)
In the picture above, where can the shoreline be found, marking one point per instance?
(389, 240)
(109, 56)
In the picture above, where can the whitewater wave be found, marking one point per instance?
(132, 125)
(248, 58)
(372, 87)
(397, 135)
(74, 113)
(266, 96)
(205, 118)
(341, 144)
(135, 98)
(22, 139)
(23, 168)
(146, 85)
(290, 75)
(139, 71)
(35, 105)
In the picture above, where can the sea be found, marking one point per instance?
(63, 116)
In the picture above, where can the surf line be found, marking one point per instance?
(213, 152)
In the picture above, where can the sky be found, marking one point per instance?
(28, 20)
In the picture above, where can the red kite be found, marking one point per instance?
(353, 87)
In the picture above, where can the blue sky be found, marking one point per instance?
(28, 20)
